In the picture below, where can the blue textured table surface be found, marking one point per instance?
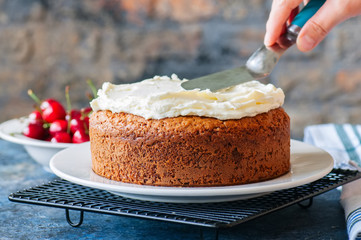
(323, 220)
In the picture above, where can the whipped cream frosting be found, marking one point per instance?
(163, 97)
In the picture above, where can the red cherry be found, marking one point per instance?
(86, 111)
(35, 130)
(61, 137)
(86, 122)
(76, 124)
(52, 110)
(80, 136)
(35, 116)
(58, 126)
(48, 138)
(74, 114)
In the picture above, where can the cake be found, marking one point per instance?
(156, 133)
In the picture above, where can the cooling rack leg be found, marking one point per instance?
(310, 201)
(216, 237)
(215, 234)
(71, 223)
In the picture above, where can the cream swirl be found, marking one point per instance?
(163, 97)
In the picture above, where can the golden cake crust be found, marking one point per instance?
(190, 150)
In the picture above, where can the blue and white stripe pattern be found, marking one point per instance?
(351, 140)
(343, 142)
(354, 224)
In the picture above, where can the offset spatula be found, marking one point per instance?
(261, 62)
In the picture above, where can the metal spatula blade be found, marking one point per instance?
(261, 62)
(212, 82)
(258, 66)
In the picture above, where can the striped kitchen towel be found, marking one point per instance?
(343, 142)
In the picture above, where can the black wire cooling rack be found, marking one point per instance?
(63, 194)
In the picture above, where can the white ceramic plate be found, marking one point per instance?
(40, 151)
(308, 164)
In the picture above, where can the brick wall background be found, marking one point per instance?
(46, 45)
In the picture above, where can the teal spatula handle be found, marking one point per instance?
(290, 37)
(307, 12)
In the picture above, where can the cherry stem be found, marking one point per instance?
(46, 125)
(68, 106)
(93, 88)
(86, 128)
(38, 103)
(90, 97)
(34, 97)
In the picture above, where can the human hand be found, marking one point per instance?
(316, 28)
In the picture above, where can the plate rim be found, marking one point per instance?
(146, 190)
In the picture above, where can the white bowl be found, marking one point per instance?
(40, 151)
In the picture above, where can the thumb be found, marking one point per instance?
(317, 27)
(311, 35)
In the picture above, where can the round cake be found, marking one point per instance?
(156, 133)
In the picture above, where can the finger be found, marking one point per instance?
(280, 12)
(327, 17)
(293, 14)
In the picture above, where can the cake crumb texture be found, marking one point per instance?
(190, 151)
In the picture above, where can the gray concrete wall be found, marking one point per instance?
(46, 45)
